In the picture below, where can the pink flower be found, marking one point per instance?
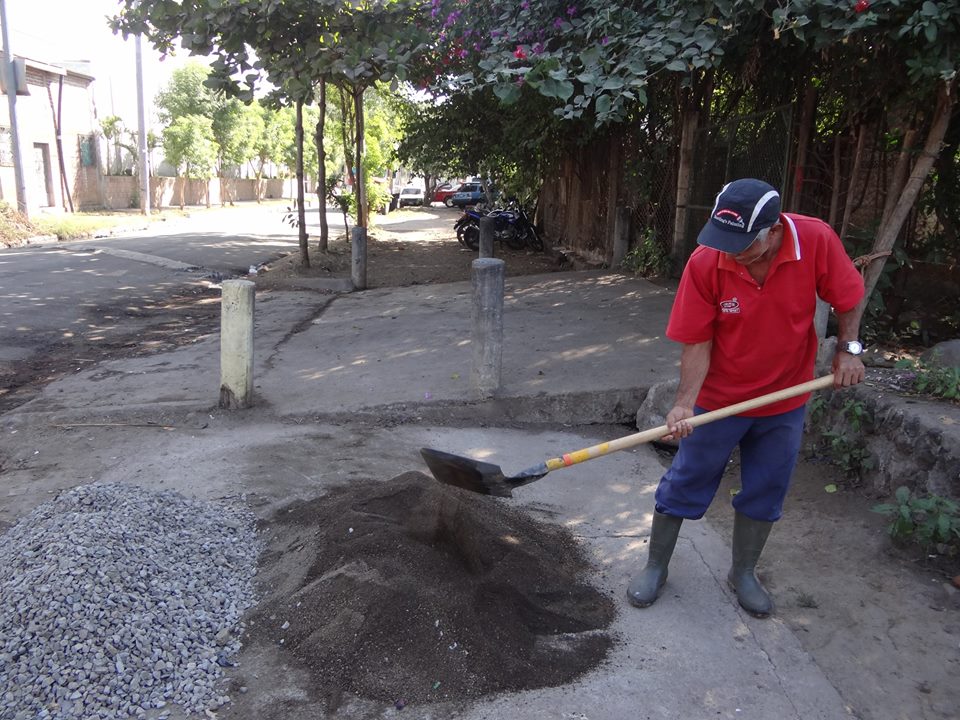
(861, 5)
(519, 54)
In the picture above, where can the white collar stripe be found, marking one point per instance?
(796, 237)
(759, 206)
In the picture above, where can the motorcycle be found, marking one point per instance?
(511, 226)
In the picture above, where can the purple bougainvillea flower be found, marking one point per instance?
(538, 48)
(605, 40)
(525, 4)
(572, 10)
(558, 23)
(463, 53)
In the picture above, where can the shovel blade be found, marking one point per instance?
(466, 473)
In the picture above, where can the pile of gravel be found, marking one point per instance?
(115, 600)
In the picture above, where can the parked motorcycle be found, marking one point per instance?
(511, 226)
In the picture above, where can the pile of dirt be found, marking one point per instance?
(412, 591)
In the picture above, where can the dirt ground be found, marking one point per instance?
(883, 623)
(414, 246)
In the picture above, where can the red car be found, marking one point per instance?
(444, 192)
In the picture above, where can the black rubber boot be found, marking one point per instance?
(645, 587)
(749, 537)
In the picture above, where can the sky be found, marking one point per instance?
(69, 30)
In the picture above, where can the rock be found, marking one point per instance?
(945, 354)
(659, 401)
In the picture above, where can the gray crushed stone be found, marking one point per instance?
(117, 601)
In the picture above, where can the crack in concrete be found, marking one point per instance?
(721, 583)
(296, 330)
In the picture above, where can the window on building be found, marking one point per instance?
(6, 147)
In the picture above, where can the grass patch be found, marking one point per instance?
(83, 225)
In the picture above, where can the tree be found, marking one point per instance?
(597, 61)
(237, 129)
(186, 94)
(278, 134)
(189, 145)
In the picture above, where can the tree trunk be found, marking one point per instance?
(347, 124)
(258, 182)
(890, 230)
(900, 171)
(688, 137)
(837, 179)
(322, 167)
(301, 218)
(854, 181)
(361, 189)
(805, 132)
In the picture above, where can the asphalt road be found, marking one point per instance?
(67, 305)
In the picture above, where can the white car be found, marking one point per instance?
(411, 195)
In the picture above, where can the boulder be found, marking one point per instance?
(943, 355)
(659, 401)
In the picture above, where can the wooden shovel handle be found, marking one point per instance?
(656, 433)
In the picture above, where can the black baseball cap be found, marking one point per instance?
(743, 208)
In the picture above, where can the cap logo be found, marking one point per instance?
(729, 217)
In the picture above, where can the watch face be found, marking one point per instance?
(854, 347)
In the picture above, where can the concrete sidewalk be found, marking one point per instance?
(352, 386)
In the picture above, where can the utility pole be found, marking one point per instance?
(11, 75)
(142, 135)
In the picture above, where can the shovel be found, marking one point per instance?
(488, 479)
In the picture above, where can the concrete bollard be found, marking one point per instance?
(358, 254)
(487, 276)
(621, 236)
(236, 344)
(487, 226)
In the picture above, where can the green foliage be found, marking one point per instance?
(597, 59)
(237, 129)
(189, 144)
(932, 522)
(186, 94)
(648, 258)
(942, 382)
(845, 447)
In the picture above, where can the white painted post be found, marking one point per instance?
(487, 276)
(236, 344)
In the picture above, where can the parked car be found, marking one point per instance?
(444, 191)
(467, 194)
(411, 195)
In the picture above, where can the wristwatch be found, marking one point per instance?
(853, 347)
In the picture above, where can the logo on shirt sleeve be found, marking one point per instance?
(731, 306)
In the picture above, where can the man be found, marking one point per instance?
(744, 313)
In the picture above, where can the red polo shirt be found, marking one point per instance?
(763, 336)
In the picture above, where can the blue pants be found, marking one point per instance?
(769, 447)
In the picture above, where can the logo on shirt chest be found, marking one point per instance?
(731, 306)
